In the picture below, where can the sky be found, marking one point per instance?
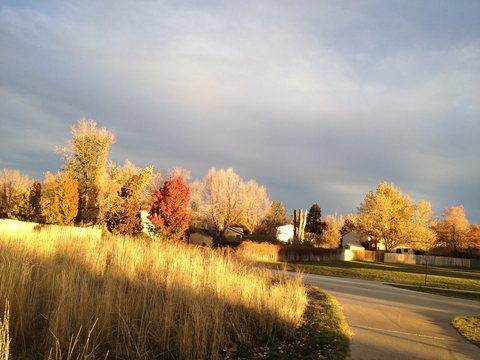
(318, 101)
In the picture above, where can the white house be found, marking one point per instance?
(285, 233)
(147, 225)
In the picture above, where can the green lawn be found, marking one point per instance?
(447, 278)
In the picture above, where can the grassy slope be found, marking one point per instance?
(448, 278)
(324, 334)
(469, 327)
(141, 300)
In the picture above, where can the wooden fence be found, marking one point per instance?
(432, 260)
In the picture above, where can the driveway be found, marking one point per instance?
(389, 323)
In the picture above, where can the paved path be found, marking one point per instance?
(389, 323)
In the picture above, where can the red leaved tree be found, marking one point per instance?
(169, 212)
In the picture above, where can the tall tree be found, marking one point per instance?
(332, 235)
(349, 222)
(423, 235)
(453, 229)
(122, 214)
(386, 215)
(255, 203)
(314, 226)
(13, 184)
(86, 160)
(29, 208)
(169, 212)
(276, 216)
(59, 199)
(223, 199)
(474, 236)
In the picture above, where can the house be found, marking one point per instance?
(147, 225)
(353, 239)
(404, 250)
(285, 233)
(234, 233)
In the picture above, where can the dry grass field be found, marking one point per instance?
(128, 298)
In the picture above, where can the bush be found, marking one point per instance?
(258, 251)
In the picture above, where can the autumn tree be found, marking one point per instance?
(85, 160)
(423, 235)
(331, 235)
(122, 205)
(59, 199)
(29, 208)
(386, 215)
(453, 229)
(147, 198)
(170, 213)
(474, 236)
(349, 222)
(223, 199)
(13, 184)
(267, 229)
(156, 183)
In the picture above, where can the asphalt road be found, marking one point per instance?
(389, 323)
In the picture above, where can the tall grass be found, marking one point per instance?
(131, 299)
(5, 334)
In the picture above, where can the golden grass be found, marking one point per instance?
(5, 334)
(130, 299)
(255, 251)
(469, 327)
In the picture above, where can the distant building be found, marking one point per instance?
(147, 225)
(234, 233)
(404, 250)
(353, 238)
(285, 233)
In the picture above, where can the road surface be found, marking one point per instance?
(389, 323)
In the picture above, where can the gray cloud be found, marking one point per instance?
(318, 101)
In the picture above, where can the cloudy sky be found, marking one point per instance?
(317, 100)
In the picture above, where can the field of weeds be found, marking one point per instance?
(129, 298)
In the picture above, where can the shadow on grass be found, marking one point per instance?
(134, 318)
(324, 334)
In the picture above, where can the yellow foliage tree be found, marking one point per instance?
(389, 216)
(223, 199)
(453, 229)
(59, 199)
(86, 161)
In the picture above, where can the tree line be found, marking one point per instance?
(386, 216)
(91, 190)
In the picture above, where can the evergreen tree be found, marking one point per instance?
(315, 225)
